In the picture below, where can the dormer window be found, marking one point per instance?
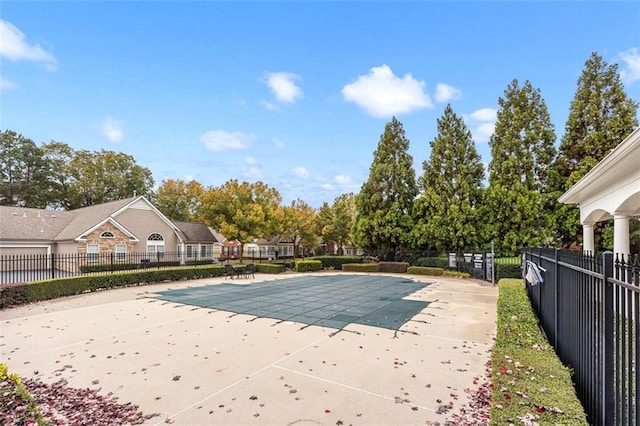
(107, 234)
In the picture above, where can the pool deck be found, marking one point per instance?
(201, 366)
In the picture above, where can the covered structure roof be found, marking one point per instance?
(611, 190)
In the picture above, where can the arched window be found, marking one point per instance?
(107, 234)
(155, 246)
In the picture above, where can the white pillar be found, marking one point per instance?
(588, 244)
(621, 234)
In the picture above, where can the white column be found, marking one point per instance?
(621, 234)
(588, 244)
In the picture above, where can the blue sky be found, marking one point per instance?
(295, 94)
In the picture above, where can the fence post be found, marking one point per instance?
(555, 298)
(608, 372)
(52, 261)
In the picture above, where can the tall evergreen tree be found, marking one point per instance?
(601, 116)
(384, 205)
(522, 150)
(446, 213)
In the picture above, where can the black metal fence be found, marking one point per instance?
(589, 307)
(34, 267)
(480, 264)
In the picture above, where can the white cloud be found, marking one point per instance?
(284, 87)
(14, 47)
(446, 93)
(327, 186)
(271, 106)
(381, 93)
(112, 129)
(342, 180)
(278, 143)
(481, 122)
(250, 161)
(631, 71)
(300, 172)
(6, 84)
(220, 140)
(482, 132)
(484, 114)
(253, 172)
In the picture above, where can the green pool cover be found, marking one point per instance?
(330, 301)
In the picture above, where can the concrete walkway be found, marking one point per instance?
(196, 366)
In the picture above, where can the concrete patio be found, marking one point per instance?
(197, 366)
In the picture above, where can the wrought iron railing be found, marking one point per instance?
(589, 307)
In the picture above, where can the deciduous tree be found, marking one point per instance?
(99, 177)
(384, 205)
(298, 221)
(58, 156)
(23, 172)
(335, 222)
(179, 200)
(241, 210)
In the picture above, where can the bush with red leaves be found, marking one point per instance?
(60, 404)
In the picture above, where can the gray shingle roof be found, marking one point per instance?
(19, 223)
(87, 217)
(218, 236)
(196, 232)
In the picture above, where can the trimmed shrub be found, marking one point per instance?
(336, 262)
(360, 267)
(50, 289)
(269, 268)
(456, 274)
(15, 393)
(508, 271)
(308, 265)
(528, 378)
(424, 270)
(433, 262)
(86, 269)
(399, 267)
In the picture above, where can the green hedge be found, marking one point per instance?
(424, 270)
(508, 271)
(85, 269)
(433, 262)
(19, 294)
(360, 267)
(527, 377)
(336, 262)
(398, 267)
(456, 274)
(308, 265)
(269, 268)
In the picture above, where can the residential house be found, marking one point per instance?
(118, 228)
(277, 247)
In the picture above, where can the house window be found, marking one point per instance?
(107, 234)
(205, 252)
(121, 252)
(179, 250)
(192, 251)
(225, 251)
(93, 251)
(235, 250)
(155, 246)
